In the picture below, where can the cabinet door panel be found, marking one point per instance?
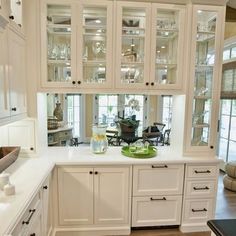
(17, 74)
(154, 211)
(158, 180)
(4, 83)
(75, 189)
(111, 195)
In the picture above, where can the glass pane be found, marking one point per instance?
(233, 129)
(167, 28)
(204, 62)
(226, 54)
(225, 106)
(224, 126)
(223, 149)
(227, 81)
(59, 42)
(232, 151)
(94, 44)
(234, 107)
(233, 52)
(132, 73)
(132, 45)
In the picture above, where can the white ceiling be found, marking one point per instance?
(232, 3)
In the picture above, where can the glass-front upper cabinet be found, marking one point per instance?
(168, 24)
(95, 44)
(132, 45)
(204, 88)
(58, 43)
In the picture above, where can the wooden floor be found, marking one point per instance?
(226, 208)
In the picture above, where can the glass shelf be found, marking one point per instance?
(200, 126)
(55, 61)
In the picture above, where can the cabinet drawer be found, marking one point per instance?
(200, 188)
(198, 210)
(156, 210)
(158, 180)
(28, 217)
(194, 171)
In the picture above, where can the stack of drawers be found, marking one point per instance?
(157, 194)
(199, 196)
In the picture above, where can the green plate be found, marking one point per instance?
(151, 152)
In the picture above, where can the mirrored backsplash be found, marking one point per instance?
(127, 117)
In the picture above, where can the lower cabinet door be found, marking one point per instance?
(156, 210)
(75, 195)
(111, 195)
(197, 210)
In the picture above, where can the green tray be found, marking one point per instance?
(151, 152)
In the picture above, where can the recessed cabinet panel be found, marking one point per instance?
(158, 179)
(75, 187)
(156, 210)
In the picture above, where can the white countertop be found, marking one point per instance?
(28, 174)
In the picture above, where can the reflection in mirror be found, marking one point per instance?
(128, 117)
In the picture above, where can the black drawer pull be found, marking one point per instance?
(199, 210)
(202, 171)
(204, 188)
(30, 216)
(158, 199)
(161, 166)
(45, 187)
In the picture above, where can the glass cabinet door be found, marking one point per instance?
(95, 44)
(132, 44)
(206, 68)
(57, 48)
(167, 45)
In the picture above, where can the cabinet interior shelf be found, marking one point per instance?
(95, 27)
(95, 35)
(203, 97)
(55, 61)
(200, 126)
(132, 63)
(133, 36)
(166, 65)
(95, 63)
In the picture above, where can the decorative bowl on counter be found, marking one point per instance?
(7, 156)
(135, 152)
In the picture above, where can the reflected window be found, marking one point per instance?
(167, 111)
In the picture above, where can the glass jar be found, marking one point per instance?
(99, 143)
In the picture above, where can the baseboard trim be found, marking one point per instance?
(189, 228)
(97, 231)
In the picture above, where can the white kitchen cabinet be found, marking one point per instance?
(17, 73)
(21, 133)
(76, 44)
(4, 81)
(93, 196)
(200, 189)
(157, 194)
(205, 76)
(46, 190)
(31, 221)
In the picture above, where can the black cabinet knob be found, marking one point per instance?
(152, 84)
(211, 147)
(79, 82)
(147, 83)
(33, 234)
(95, 172)
(31, 149)
(73, 82)
(45, 187)
(11, 17)
(13, 109)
